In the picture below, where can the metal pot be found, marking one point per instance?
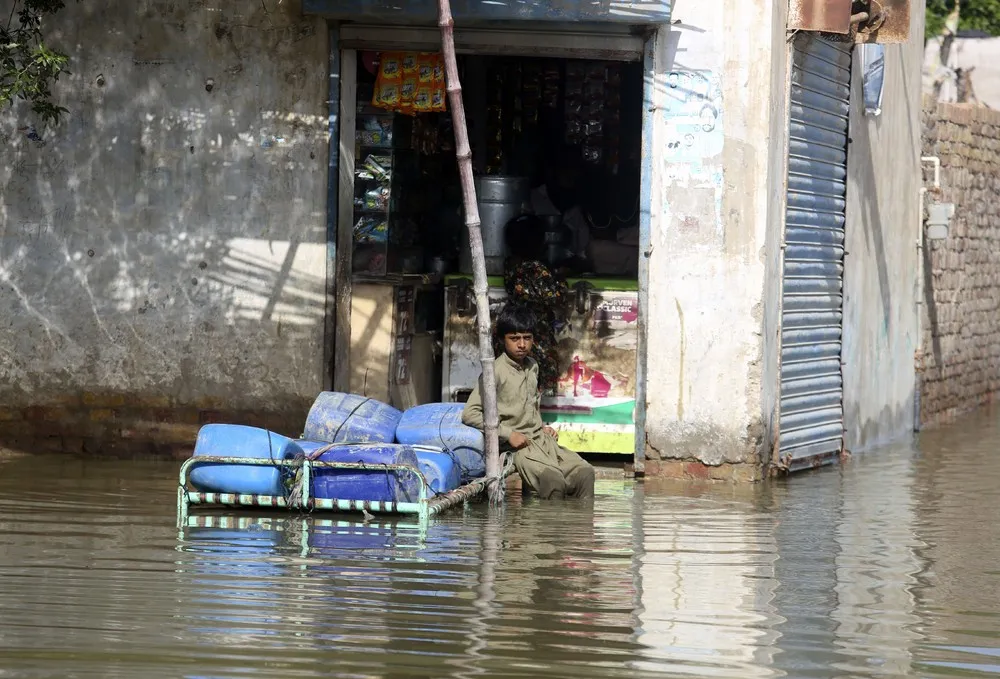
(557, 237)
(500, 199)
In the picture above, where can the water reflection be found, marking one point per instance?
(707, 577)
(884, 567)
(957, 493)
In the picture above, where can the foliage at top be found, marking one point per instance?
(28, 67)
(982, 15)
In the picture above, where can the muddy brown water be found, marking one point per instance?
(888, 566)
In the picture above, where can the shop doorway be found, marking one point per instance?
(555, 140)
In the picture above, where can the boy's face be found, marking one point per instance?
(518, 345)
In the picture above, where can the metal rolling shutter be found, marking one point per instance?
(812, 414)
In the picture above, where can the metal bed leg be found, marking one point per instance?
(182, 506)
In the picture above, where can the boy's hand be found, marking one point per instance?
(517, 440)
(551, 432)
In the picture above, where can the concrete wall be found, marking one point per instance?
(883, 183)
(711, 211)
(163, 254)
(961, 310)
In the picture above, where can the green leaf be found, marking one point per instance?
(28, 66)
(982, 15)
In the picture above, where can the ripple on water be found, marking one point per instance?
(884, 567)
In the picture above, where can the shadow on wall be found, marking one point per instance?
(168, 237)
(872, 205)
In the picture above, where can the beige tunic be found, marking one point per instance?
(545, 466)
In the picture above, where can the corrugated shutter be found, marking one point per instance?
(812, 414)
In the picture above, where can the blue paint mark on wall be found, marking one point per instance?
(32, 135)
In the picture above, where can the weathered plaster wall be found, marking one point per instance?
(777, 199)
(163, 254)
(714, 96)
(880, 271)
(961, 310)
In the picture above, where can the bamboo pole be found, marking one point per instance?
(463, 154)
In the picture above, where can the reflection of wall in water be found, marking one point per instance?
(877, 564)
(958, 532)
(707, 580)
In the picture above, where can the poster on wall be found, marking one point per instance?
(592, 405)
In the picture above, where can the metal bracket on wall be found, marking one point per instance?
(865, 21)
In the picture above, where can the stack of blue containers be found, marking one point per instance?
(430, 438)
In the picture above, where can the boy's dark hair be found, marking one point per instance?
(514, 318)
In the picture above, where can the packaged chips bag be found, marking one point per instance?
(410, 83)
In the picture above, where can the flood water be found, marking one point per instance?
(888, 566)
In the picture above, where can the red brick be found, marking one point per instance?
(697, 470)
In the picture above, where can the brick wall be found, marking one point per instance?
(960, 365)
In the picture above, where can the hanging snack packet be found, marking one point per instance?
(423, 102)
(408, 95)
(425, 68)
(438, 100)
(430, 91)
(388, 81)
(386, 96)
(410, 63)
(408, 81)
(391, 66)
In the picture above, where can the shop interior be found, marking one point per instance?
(569, 127)
(558, 139)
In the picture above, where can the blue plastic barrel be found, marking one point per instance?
(348, 418)
(377, 484)
(441, 469)
(439, 425)
(236, 440)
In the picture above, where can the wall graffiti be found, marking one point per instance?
(691, 124)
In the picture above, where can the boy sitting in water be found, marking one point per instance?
(545, 467)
